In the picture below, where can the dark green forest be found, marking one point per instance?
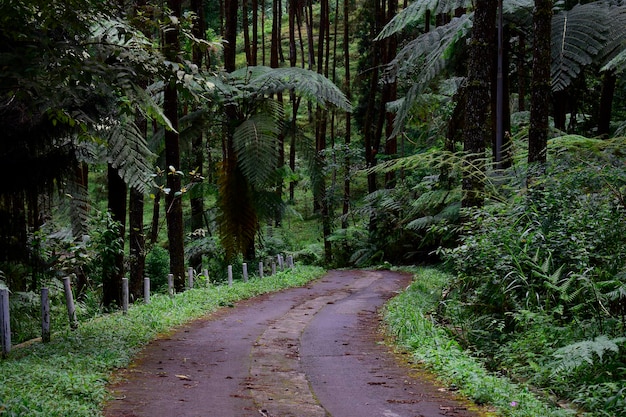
(486, 138)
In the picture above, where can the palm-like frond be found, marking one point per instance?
(306, 83)
(256, 145)
(614, 54)
(578, 35)
(424, 58)
(129, 153)
(416, 12)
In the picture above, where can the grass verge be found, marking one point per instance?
(68, 376)
(409, 320)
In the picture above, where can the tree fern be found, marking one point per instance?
(578, 35)
(614, 54)
(423, 59)
(416, 12)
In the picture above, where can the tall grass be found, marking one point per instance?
(68, 376)
(411, 319)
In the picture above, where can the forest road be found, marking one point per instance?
(315, 351)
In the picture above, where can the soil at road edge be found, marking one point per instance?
(315, 351)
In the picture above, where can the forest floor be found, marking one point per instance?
(314, 351)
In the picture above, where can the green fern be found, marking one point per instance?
(423, 59)
(578, 36)
(572, 357)
(256, 145)
(128, 152)
(416, 12)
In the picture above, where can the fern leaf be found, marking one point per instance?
(577, 354)
(423, 59)
(256, 146)
(129, 154)
(416, 12)
(578, 36)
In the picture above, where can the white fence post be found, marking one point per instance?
(125, 295)
(170, 284)
(146, 290)
(261, 269)
(69, 302)
(245, 272)
(230, 275)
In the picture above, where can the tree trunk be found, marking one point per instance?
(197, 191)
(113, 264)
(255, 33)
(137, 242)
(348, 92)
(540, 85)
(245, 27)
(606, 104)
(173, 200)
(477, 127)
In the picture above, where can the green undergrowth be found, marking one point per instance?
(410, 319)
(68, 376)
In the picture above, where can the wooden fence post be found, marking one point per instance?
(170, 284)
(230, 275)
(281, 265)
(146, 290)
(5, 322)
(245, 272)
(206, 277)
(261, 269)
(125, 295)
(273, 268)
(290, 261)
(69, 302)
(45, 315)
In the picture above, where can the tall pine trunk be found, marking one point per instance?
(540, 86)
(477, 127)
(173, 201)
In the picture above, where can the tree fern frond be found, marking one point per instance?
(416, 12)
(578, 36)
(256, 146)
(129, 153)
(308, 84)
(614, 54)
(423, 59)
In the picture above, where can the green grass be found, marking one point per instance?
(410, 321)
(68, 376)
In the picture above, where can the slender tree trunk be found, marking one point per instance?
(137, 242)
(293, 59)
(197, 191)
(173, 201)
(80, 209)
(540, 85)
(522, 73)
(348, 92)
(245, 27)
(606, 104)
(255, 33)
(113, 265)
(477, 127)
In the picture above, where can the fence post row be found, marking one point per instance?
(5, 322)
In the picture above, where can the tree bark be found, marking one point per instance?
(137, 242)
(113, 264)
(540, 85)
(477, 127)
(606, 104)
(173, 200)
(347, 90)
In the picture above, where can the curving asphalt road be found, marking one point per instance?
(314, 351)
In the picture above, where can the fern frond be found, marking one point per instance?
(614, 54)
(578, 36)
(577, 354)
(256, 145)
(308, 84)
(416, 12)
(129, 153)
(423, 59)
